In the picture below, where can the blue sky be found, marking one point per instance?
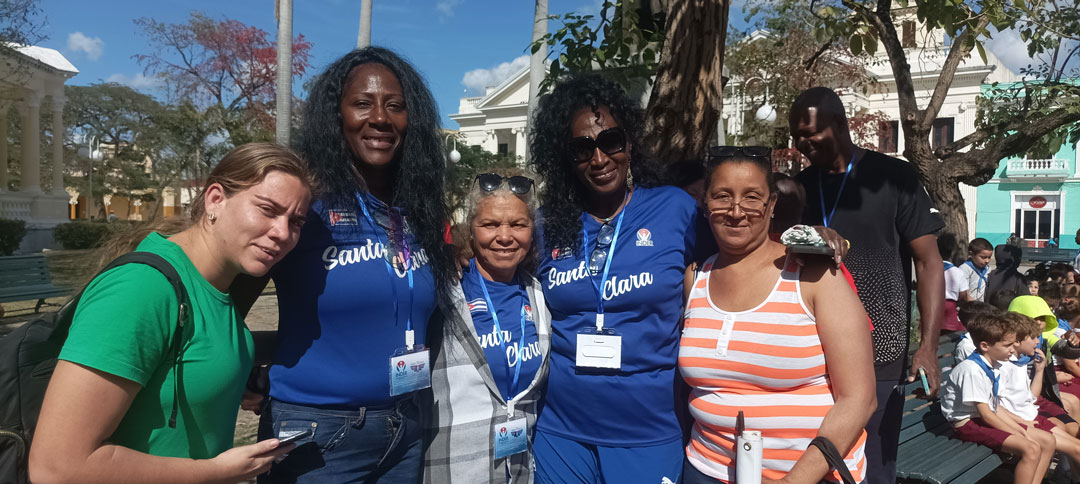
(445, 39)
(458, 45)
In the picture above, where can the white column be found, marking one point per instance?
(491, 143)
(58, 145)
(3, 147)
(31, 144)
(521, 147)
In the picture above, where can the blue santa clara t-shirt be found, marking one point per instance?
(502, 348)
(642, 302)
(337, 326)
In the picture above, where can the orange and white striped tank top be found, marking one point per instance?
(767, 362)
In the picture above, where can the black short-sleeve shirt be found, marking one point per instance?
(883, 207)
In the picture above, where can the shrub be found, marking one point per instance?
(11, 235)
(86, 235)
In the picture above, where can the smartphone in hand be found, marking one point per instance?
(295, 437)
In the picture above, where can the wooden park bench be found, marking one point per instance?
(928, 452)
(1047, 254)
(26, 277)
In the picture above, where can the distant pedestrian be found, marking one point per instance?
(1015, 240)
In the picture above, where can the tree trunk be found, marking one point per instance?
(687, 96)
(943, 189)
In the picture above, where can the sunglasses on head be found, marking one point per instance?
(761, 152)
(490, 182)
(611, 141)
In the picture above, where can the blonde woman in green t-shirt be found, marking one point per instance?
(105, 414)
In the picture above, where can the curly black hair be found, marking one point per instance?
(563, 195)
(420, 167)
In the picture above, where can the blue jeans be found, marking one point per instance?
(364, 445)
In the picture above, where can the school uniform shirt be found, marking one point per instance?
(955, 283)
(976, 282)
(342, 314)
(466, 402)
(1015, 390)
(634, 406)
(964, 348)
(967, 386)
(882, 208)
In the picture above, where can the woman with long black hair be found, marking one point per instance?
(356, 294)
(615, 245)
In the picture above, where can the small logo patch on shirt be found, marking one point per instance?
(528, 313)
(478, 305)
(342, 217)
(644, 238)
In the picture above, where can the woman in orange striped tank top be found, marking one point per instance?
(785, 343)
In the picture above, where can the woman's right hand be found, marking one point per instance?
(248, 461)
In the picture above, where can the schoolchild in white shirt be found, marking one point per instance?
(971, 395)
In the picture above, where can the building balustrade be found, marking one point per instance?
(1044, 168)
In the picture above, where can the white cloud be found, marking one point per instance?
(91, 46)
(1008, 47)
(477, 80)
(138, 82)
(446, 7)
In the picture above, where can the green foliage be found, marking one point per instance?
(11, 235)
(460, 175)
(87, 235)
(616, 43)
(781, 63)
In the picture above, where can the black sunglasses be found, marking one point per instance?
(610, 141)
(761, 152)
(490, 182)
(598, 256)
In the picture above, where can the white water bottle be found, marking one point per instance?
(748, 457)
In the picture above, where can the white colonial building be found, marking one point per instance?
(32, 79)
(497, 120)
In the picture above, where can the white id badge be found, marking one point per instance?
(599, 349)
(510, 438)
(410, 370)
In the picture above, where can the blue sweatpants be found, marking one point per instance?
(565, 461)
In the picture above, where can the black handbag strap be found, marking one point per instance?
(176, 346)
(832, 456)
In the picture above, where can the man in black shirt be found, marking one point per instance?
(879, 205)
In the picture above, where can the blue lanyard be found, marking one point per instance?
(599, 289)
(498, 329)
(821, 192)
(409, 335)
(980, 273)
(986, 369)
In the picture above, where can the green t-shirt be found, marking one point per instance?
(124, 326)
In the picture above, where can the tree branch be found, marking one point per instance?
(961, 47)
(1026, 134)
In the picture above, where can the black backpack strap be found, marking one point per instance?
(176, 346)
(832, 456)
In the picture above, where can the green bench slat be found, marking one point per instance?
(26, 277)
(947, 451)
(916, 455)
(934, 425)
(976, 473)
(912, 447)
(946, 469)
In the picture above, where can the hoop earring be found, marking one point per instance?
(212, 217)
